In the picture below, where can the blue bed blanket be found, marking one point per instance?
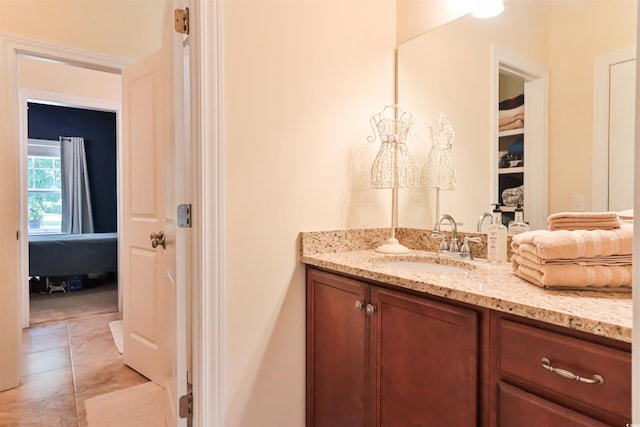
(72, 254)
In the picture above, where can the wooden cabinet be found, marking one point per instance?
(392, 360)
(424, 362)
(380, 357)
(336, 351)
(544, 373)
(521, 409)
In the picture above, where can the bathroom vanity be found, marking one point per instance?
(394, 346)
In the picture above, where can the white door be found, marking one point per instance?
(622, 114)
(151, 269)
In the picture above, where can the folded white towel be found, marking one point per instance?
(626, 214)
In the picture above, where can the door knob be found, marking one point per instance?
(157, 239)
(371, 309)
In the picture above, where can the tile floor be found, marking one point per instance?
(64, 364)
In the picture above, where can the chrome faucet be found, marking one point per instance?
(481, 220)
(452, 250)
(453, 247)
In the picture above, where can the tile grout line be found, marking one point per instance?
(73, 375)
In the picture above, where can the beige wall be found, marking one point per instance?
(571, 58)
(419, 16)
(302, 78)
(125, 28)
(55, 77)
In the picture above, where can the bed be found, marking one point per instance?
(72, 254)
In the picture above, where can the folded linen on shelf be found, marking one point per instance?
(511, 103)
(583, 221)
(507, 120)
(516, 124)
(562, 244)
(570, 276)
(511, 112)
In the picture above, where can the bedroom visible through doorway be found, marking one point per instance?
(70, 137)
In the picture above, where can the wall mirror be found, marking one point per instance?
(586, 110)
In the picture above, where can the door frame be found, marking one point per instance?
(536, 128)
(73, 101)
(207, 117)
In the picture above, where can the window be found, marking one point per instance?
(44, 186)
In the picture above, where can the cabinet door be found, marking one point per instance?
(336, 351)
(517, 408)
(424, 369)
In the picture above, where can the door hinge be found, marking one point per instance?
(184, 216)
(185, 406)
(181, 20)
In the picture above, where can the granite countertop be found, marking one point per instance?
(494, 286)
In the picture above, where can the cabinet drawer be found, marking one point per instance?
(521, 349)
(517, 408)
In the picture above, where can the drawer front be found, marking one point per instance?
(517, 408)
(522, 348)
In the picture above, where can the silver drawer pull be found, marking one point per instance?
(595, 379)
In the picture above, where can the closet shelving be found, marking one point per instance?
(511, 161)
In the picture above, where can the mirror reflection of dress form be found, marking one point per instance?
(393, 166)
(438, 172)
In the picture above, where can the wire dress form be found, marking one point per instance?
(438, 172)
(393, 166)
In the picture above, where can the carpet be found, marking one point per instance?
(138, 406)
(116, 331)
(71, 305)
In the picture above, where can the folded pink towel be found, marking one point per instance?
(563, 244)
(527, 251)
(572, 275)
(583, 221)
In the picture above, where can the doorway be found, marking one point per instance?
(73, 274)
(67, 275)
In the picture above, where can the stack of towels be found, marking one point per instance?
(511, 113)
(591, 251)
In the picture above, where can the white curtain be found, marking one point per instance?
(77, 216)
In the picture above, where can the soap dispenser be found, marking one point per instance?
(497, 238)
(518, 225)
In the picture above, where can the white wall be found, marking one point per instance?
(301, 79)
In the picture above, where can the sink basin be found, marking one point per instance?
(423, 265)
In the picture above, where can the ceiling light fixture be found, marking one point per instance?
(479, 8)
(487, 8)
